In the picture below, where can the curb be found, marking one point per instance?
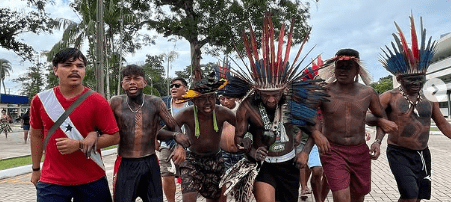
(11, 172)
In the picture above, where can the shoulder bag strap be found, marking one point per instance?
(64, 116)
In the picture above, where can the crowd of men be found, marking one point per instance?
(258, 123)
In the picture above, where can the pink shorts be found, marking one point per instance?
(348, 166)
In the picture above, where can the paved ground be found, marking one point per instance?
(384, 188)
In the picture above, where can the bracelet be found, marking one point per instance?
(36, 169)
(378, 141)
(79, 144)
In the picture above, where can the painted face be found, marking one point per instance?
(133, 85)
(205, 103)
(71, 72)
(412, 84)
(346, 71)
(228, 102)
(177, 89)
(270, 99)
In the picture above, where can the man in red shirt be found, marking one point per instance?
(67, 173)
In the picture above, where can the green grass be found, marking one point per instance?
(26, 160)
(433, 129)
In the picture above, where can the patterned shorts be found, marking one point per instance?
(202, 174)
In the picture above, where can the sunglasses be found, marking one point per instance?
(177, 85)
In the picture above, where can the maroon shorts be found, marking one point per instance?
(348, 166)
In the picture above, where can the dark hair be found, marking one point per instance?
(181, 80)
(133, 70)
(348, 52)
(67, 54)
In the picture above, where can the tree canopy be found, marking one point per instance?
(216, 23)
(384, 84)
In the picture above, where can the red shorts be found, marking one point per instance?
(348, 166)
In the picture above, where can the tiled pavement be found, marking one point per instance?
(384, 188)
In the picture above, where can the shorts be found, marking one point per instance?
(231, 159)
(202, 173)
(313, 158)
(167, 168)
(26, 127)
(138, 177)
(412, 175)
(348, 166)
(284, 177)
(93, 191)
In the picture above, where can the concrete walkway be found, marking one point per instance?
(19, 188)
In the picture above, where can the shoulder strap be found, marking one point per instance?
(64, 116)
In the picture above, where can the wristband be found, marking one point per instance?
(36, 169)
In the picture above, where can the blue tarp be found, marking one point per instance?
(13, 99)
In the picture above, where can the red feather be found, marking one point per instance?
(271, 43)
(415, 51)
(279, 68)
(249, 54)
(405, 47)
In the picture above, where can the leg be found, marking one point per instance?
(343, 195)
(317, 173)
(149, 188)
(25, 136)
(304, 176)
(223, 198)
(324, 188)
(169, 188)
(264, 192)
(189, 197)
(94, 191)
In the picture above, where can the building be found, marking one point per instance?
(441, 69)
(15, 105)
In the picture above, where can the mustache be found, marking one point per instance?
(74, 76)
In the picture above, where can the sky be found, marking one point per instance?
(364, 25)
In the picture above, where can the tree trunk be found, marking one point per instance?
(195, 60)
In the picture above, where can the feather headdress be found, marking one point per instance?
(408, 61)
(270, 70)
(204, 86)
(327, 72)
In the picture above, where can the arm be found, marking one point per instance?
(165, 134)
(36, 143)
(241, 128)
(379, 107)
(440, 121)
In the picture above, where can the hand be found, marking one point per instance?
(182, 139)
(260, 154)
(67, 145)
(375, 150)
(35, 175)
(387, 126)
(367, 135)
(301, 159)
(321, 142)
(245, 145)
(89, 143)
(178, 155)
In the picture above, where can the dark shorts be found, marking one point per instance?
(231, 159)
(202, 174)
(26, 127)
(408, 168)
(94, 191)
(348, 166)
(284, 177)
(138, 177)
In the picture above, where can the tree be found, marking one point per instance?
(204, 68)
(14, 23)
(384, 84)
(154, 70)
(216, 23)
(32, 81)
(5, 69)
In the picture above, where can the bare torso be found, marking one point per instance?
(413, 129)
(137, 130)
(208, 141)
(344, 116)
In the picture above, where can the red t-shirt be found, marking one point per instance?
(73, 169)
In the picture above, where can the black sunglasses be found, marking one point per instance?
(177, 85)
